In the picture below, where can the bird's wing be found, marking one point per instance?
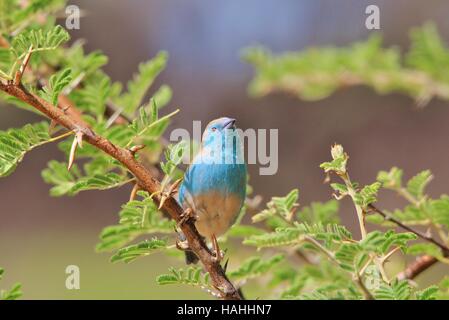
(185, 189)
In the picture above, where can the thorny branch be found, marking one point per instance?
(144, 178)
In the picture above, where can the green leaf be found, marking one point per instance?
(14, 143)
(418, 183)
(339, 161)
(325, 213)
(149, 126)
(81, 63)
(141, 249)
(93, 96)
(283, 206)
(192, 276)
(430, 293)
(398, 290)
(295, 235)
(14, 293)
(428, 52)
(380, 242)
(411, 215)
(255, 267)
(418, 249)
(241, 231)
(347, 255)
(352, 256)
(438, 210)
(340, 188)
(337, 165)
(57, 83)
(367, 195)
(138, 87)
(174, 156)
(137, 217)
(162, 96)
(391, 179)
(393, 239)
(16, 15)
(72, 182)
(39, 40)
(286, 204)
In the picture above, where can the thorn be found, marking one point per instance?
(225, 267)
(79, 138)
(77, 141)
(115, 116)
(162, 201)
(52, 127)
(133, 194)
(174, 187)
(65, 109)
(21, 71)
(72, 153)
(171, 191)
(136, 148)
(428, 232)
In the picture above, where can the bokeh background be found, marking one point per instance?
(40, 236)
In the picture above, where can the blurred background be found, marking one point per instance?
(40, 236)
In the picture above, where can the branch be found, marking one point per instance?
(421, 235)
(421, 263)
(144, 178)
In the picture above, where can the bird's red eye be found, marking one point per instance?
(213, 128)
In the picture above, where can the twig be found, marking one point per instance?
(418, 266)
(144, 177)
(362, 223)
(318, 245)
(366, 293)
(423, 236)
(421, 263)
(357, 276)
(359, 210)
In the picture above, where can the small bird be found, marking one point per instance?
(214, 186)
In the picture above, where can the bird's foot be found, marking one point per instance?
(218, 254)
(182, 245)
(186, 216)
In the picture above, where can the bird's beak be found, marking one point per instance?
(229, 124)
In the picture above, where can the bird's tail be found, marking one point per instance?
(191, 257)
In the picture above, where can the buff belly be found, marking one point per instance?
(216, 212)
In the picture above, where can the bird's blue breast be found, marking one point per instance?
(215, 191)
(224, 171)
(222, 178)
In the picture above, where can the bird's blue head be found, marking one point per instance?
(217, 129)
(221, 142)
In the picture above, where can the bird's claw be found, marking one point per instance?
(182, 245)
(186, 216)
(218, 254)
